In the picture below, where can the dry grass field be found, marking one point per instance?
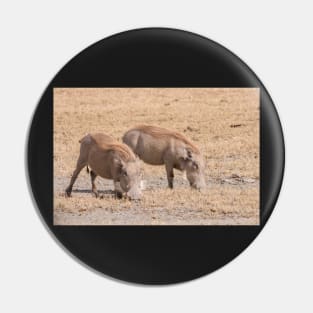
(223, 123)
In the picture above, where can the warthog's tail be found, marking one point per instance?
(85, 137)
(87, 168)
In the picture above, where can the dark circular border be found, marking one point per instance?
(154, 57)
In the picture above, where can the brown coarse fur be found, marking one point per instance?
(98, 138)
(107, 143)
(159, 132)
(124, 152)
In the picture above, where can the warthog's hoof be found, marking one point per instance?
(68, 193)
(96, 194)
(118, 194)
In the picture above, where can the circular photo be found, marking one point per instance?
(155, 156)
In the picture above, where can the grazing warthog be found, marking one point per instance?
(158, 146)
(109, 159)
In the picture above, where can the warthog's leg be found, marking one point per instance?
(94, 190)
(80, 165)
(118, 189)
(170, 174)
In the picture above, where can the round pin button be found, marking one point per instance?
(155, 156)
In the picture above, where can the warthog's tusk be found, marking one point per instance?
(143, 184)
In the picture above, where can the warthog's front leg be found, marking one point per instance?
(170, 174)
(118, 189)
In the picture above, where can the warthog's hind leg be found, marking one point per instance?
(80, 165)
(94, 190)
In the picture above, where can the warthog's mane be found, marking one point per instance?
(159, 132)
(123, 151)
(108, 143)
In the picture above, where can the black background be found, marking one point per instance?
(154, 58)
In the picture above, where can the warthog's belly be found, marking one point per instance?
(150, 150)
(153, 160)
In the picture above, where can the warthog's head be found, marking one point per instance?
(130, 178)
(195, 170)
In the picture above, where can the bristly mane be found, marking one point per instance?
(159, 132)
(123, 150)
(109, 143)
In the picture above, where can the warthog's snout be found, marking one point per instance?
(201, 189)
(199, 184)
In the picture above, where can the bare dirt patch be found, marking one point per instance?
(223, 123)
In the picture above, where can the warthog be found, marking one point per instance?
(158, 146)
(109, 159)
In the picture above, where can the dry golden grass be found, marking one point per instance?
(223, 123)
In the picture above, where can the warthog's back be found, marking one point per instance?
(150, 143)
(165, 134)
(104, 143)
